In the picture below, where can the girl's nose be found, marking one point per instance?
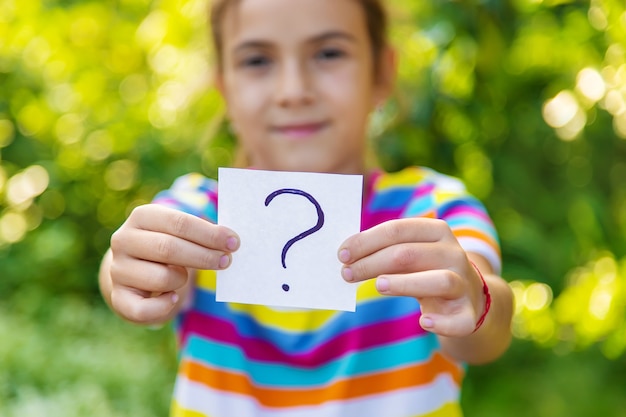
(294, 85)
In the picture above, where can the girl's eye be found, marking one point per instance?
(330, 54)
(255, 62)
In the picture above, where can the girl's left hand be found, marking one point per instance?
(420, 258)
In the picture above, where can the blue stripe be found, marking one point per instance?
(210, 212)
(384, 358)
(419, 206)
(391, 199)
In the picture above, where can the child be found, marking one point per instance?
(300, 78)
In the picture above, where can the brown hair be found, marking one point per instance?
(375, 20)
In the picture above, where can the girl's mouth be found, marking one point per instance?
(298, 131)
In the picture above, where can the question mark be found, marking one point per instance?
(318, 226)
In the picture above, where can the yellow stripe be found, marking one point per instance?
(206, 280)
(367, 291)
(195, 179)
(448, 410)
(178, 411)
(285, 319)
(442, 196)
(409, 177)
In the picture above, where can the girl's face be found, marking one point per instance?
(298, 80)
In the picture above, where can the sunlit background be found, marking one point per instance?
(104, 103)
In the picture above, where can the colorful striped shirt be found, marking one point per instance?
(249, 360)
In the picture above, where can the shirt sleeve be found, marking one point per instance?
(467, 217)
(192, 193)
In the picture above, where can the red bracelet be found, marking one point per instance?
(487, 299)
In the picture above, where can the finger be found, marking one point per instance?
(397, 259)
(445, 308)
(149, 277)
(173, 222)
(431, 284)
(168, 249)
(457, 325)
(392, 233)
(139, 307)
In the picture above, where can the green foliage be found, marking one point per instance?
(66, 357)
(103, 103)
(524, 101)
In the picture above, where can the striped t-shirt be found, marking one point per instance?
(240, 360)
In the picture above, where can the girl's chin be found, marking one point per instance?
(310, 167)
(310, 161)
(294, 166)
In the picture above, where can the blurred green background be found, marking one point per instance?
(103, 103)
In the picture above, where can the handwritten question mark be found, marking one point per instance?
(318, 226)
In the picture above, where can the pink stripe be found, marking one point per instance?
(423, 191)
(467, 211)
(351, 341)
(373, 218)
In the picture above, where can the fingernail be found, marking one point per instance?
(427, 322)
(347, 274)
(174, 298)
(224, 261)
(382, 284)
(344, 255)
(232, 243)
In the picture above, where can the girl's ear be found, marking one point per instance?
(386, 77)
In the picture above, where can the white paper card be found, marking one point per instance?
(290, 225)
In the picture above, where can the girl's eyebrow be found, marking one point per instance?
(332, 35)
(315, 39)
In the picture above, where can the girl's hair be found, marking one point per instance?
(375, 20)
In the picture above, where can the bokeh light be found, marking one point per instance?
(590, 84)
(563, 112)
(26, 185)
(7, 132)
(13, 227)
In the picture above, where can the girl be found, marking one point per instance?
(300, 78)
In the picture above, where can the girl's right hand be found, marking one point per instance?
(153, 255)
